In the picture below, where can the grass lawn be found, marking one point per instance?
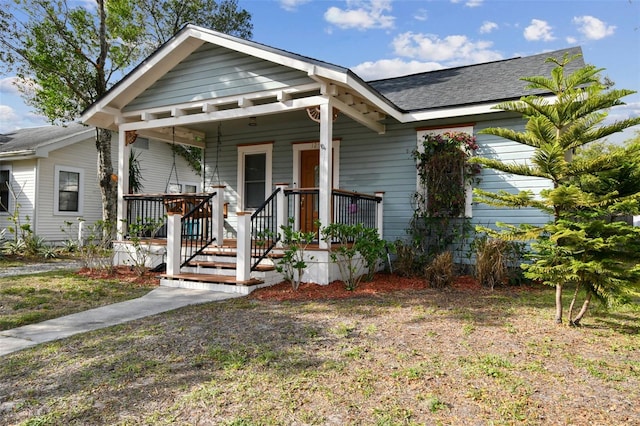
(27, 299)
(413, 357)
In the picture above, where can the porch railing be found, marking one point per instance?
(347, 207)
(143, 209)
(264, 229)
(196, 229)
(148, 211)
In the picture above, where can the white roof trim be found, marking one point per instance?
(105, 112)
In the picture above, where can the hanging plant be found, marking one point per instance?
(444, 173)
(135, 172)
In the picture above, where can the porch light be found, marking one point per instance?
(253, 121)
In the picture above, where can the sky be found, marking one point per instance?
(385, 38)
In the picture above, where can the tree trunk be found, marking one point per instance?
(583, 311)
(558, 303)
(105, 179)
(573, 302)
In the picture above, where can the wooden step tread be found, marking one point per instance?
(224, 251)
(226, 265)
(212, 278)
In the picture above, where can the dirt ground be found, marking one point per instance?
(392, 352)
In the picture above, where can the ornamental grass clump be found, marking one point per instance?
(441, 272)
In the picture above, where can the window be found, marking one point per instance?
(254, 175)
(4, 190)
(69, 189)
(439, 196)
(190, 187)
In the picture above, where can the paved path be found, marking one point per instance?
(161, 299)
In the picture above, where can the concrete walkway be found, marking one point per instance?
(159, 300)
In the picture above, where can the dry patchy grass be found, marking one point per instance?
(28, 299)
(419, 356)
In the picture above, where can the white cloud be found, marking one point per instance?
(361, 14)
(571, 40)
(292, 5)
(469, 3)
(453, 50)
(538, 30)
(386, 68)
(421, 15)
(8, 119)
(7, 85)
(593, 28)
(474, 3)
(487, 27)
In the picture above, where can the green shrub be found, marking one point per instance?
(351, 240)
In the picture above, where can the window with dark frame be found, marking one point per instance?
(4, 190)
(68, 191)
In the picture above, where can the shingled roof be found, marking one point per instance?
(30, 139)
(474, 84)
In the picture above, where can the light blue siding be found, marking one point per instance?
(215, 72)
(368, 163)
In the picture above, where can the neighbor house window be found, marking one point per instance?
(190, 187)
(69, 189)
(254, 174)
(4, 190)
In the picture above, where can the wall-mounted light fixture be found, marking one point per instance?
(253, 122)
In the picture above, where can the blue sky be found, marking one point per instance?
(385, 38)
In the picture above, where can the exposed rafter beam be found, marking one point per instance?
(182, 136)
(358, 116)
(226, 114)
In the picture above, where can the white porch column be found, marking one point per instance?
(243, 259)
(281, 209)
(326, 168)
(124, 151)
(380, 213)
(174, 245)
(217, 213)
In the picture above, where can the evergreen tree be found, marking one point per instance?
(583, 246)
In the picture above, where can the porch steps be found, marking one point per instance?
(211, 282)
(215, 269)
(226, 265)
(225, 251)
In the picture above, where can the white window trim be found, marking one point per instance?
(308, 146)
(468, 190)
(56, 191)
(9, 201)
(264, 148)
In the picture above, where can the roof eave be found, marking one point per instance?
(26, 154)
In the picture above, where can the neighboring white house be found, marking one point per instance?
(49, 176)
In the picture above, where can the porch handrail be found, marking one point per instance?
(196, 229)
(264, 232)
(348, 207)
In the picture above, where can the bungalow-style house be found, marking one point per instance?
(286, 137)
(48, 177)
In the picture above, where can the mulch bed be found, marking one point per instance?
(122, 274)
(382, 283)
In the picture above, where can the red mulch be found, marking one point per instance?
(122, 274)
(382, 283)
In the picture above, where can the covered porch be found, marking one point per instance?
(260, 116)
